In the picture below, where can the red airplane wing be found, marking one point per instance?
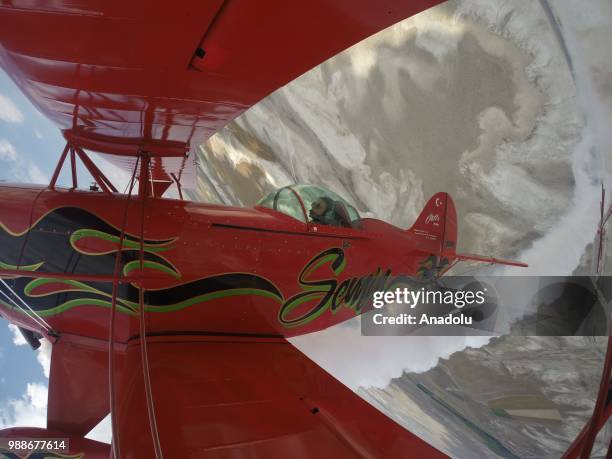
(78, 385)
(246, 396)
(218, 396)
(118, 77)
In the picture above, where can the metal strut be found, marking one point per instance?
(101, 180)
(58, 168)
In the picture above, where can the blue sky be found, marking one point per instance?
(29, 143)
(24, 383)
(20, 364)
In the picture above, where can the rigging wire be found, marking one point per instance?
(11, 300)
(111, 333)
(143, 191)
(38, 319)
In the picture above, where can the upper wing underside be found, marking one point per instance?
(118, 77)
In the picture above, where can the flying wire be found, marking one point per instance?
(19, 307)
(39, 320)
(143, 332)
(111, 333)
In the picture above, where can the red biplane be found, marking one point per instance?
(215, 290)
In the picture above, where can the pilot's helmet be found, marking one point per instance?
(329, 203)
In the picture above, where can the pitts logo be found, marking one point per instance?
(354, 293)
(432, 218)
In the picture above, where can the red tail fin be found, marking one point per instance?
(435, 231)
(436, 228)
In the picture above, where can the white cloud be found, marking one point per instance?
(18, 338)
(9, 111)
(30, 410)
(35, 175)
(44, 356)
(22, 169)
(38, 134)
(37, 394)
(7, 151)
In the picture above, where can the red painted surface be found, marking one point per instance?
(120, 77)
(78, 382)
(241, 397)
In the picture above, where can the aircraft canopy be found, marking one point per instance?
(297, 200)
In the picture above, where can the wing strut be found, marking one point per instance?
(101, 180)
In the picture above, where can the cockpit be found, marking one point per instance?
(312, 204)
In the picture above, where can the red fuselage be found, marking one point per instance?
(208, 268)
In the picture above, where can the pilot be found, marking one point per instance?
(322, 212)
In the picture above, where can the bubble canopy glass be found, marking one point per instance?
(296, 201)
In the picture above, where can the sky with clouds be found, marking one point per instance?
(23, 388)
(29, 143)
